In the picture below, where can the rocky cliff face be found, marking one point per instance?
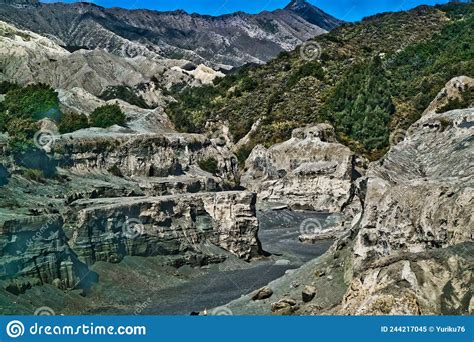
(227, 40)
(109, 229)
(414, 248)
(309, 171)
(149, 155)
(35, 251)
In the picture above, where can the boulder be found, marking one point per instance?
(285, 306)
(308, 293)
(263, 293)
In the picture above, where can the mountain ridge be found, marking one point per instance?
(224, 41)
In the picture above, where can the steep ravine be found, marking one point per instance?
(411, 251)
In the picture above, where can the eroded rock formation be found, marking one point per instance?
(27, 57)
(108, 229)
(149, 155)
(115, 194)
(411, 251)
(309, 171)
(414, 248)
(453, 90)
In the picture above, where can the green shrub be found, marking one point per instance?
(71, 122)
(34, 175)
(248, 84)
(35, 101)
(209, 165)
(106, 116)
(21, 132)
(191, 112)
(22, 108)
(313, 69)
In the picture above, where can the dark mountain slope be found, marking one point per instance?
(231, 40)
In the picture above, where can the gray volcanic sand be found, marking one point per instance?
(279, 231)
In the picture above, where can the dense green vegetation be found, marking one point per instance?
(23, 107)
(35, 101)
(34, 175)
(242, 154)
(360, 106)
(107, 115)
(373, 77)
(6, 86)
(312, 69)
(198, 100)
(71, 122)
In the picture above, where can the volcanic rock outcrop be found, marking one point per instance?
(309, 171)
(149, 155)
(414, 251)
(108, 229)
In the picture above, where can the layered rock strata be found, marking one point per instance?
(112, 194)
(108, 229)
